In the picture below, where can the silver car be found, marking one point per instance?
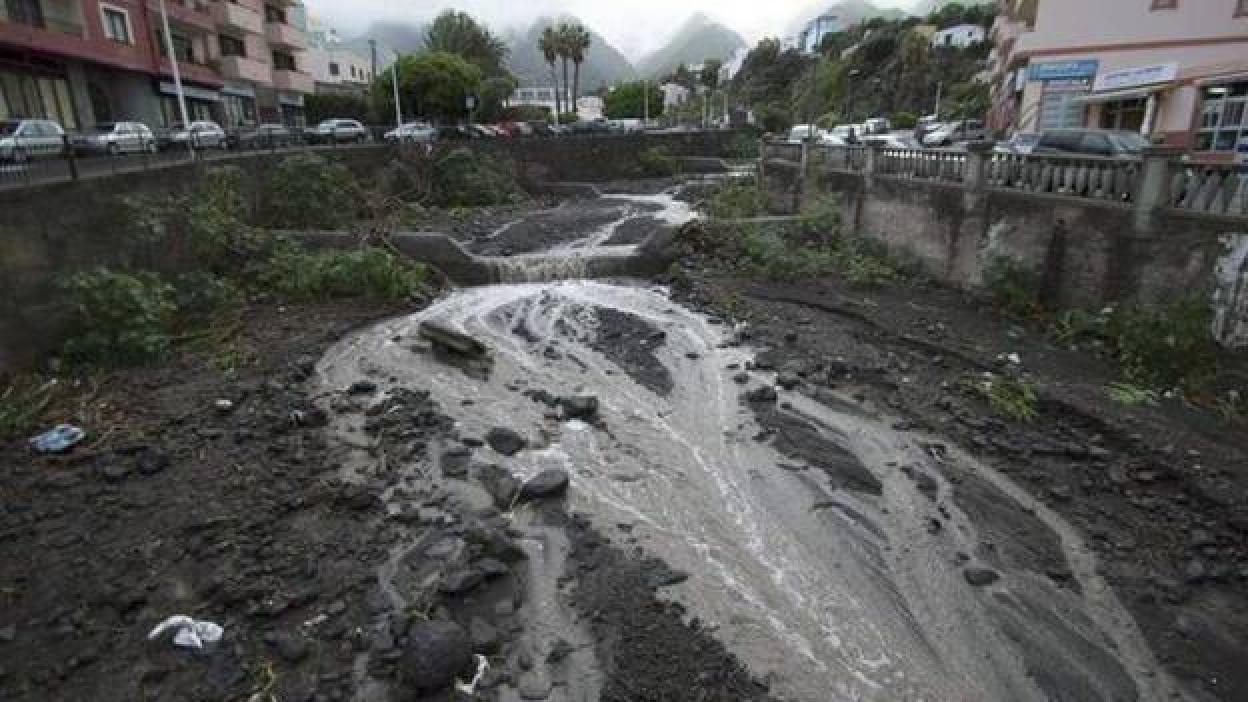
(338, 131)
(24, 139)
(202, 135)
(114, 138)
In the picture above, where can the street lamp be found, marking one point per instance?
(177, 77)
(394, 78)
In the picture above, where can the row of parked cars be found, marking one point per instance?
(424, 132)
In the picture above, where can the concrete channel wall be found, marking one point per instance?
(1084, 252)
(52, 229)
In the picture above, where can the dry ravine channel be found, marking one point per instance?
(838, 554)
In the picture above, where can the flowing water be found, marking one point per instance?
(831, 590)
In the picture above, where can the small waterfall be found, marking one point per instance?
(539, 269)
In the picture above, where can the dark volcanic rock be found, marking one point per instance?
(980, 577)
(762, 395)
(506, 441)
(581, 407)
(436, 652)
(548, 483)
(461, 581)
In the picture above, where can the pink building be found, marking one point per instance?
(1174, 70)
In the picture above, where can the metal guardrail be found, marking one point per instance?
(1209, 189)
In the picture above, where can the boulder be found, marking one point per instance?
(762, 395)
(582, 407)
(548, 483)
(980, 577)
(499, 482)
(506, 441)
(436, 652)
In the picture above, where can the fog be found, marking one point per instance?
(633, 26)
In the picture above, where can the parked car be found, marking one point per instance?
(1110, 143)
(961, 130)
(114, 138)
(803, 132)
(338, 131)
(878, 125)
(1019, 143)
(451, 132)
(201, 135)
(848, 133)
(412, 133)
(263, 136)
(24, 139)
(892, 141)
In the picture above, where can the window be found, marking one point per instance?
(283, 61)
(274, 14)
(232, 46)
(116, 24)
(1223, 117)
(1165, 4)
(182, 46)
(1241, 8)
(28, 12)
(333, 69)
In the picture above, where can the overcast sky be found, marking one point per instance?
(633, 26)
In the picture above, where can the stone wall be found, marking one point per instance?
(51, 229)
(1083, 252)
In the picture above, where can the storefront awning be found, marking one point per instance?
(1116, 95)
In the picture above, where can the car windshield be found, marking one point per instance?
(105, 127)
(327, 124)
(8, 127)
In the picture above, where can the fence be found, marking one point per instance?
(1176, 184)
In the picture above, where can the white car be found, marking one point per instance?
(338, 131)
(948, 134)
(802, 132)
(24, 139)
(412, 133)
(114, 138)
(201, 135)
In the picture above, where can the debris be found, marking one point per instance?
(224, 406)
(190, 633)
(60, 439)
(452, 340)
(548, 483)
(483, 666)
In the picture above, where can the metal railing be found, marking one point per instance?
(1211, 189)
(838, 158)
(1076, 176)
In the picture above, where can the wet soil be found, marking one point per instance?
(1159, 493)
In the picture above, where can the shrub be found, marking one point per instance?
(1014, 289)
(1014, 398)
(1166, 348)
(904, 120)
(308, 191)
(202, 296)
(774, 120)
(744, 145)
(117, 317)
(465, 178)
(569, 118)
(657, 162)
(22, 404)
(737, 202)
(371, 273)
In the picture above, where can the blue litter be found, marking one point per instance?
(59, 440)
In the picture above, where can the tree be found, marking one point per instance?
(565, 42)
(628, 100)
(710, 73)
(434, 84)
(548, 44)
(322, 106)
(458, 33)
(579, 41)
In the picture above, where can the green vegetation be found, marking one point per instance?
(1013, 288)
(118, 317)
(658, 162)
(23, 401)
(628, 101)
(745, 146)
(1130, 395)
(370, 273)
(323, 106)
(433, 84)
(737, 202)
(308, 191)
(1011, 397)
(466, 178)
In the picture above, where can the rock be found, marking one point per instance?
(485, 638)
(461, 581)
(223, 406)
(492, 568)
(548, 483)
(534, 686)
(979, 577)
(436, 652)
(452, 340)
(741, 378)
(455, 462)
(150, 461)
(115, 471)
(787, 382)
(293, 648)
(762, 395)
(362, 387)
(499, 483)
(581, 407)
(506, 441)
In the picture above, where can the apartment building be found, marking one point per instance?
(1174, 70)
(82, 62)
(338, 66)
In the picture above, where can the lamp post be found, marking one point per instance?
(849, 96)
(177, 76)
(394, 78)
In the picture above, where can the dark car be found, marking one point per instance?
(1109, 143)
(264, 136)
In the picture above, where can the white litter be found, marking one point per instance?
(483, 664)
(189, 632)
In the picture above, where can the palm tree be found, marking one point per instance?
(548, 44)
(565, 45)
(580, 42)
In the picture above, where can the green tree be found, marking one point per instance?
(321, 106)
(627, 101)
(434, 84)
(458, 33)
(565, 43)
(548, 44)
(579, 41)
(710, 73)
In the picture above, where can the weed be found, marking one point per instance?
(1014, 288)
(466, 179)
(22, 404)
(737, 202)
(1166, 348)
(203, 297)
(657, 162)
(745, 146)
(308, 191)
(118, 317)
(1010, 397)
(1074, 327)
(1130, 395)
(371, 273)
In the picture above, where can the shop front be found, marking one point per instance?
(201, 103)
(1057, 89)
(1222, 132)
(238, 105)
(1130, 98)
(39, 89)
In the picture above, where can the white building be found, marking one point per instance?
(815, 30)
(960, 37)
(335, 66)
(587, 108)
(674, 94)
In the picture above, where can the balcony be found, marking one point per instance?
(292, 81)
(243, 68)
(233, 16)
(190, 13)
(281, 35)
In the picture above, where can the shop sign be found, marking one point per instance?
(1136, 76)
(1051, 71)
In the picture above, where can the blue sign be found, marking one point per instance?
(1063, 70)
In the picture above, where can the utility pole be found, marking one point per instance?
(372, 51)
(177, 76)
(394, 78)
(939, 86)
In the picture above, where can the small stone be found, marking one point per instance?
(548, 483)
(788, 382)
(436, 652)
(485, 638)
(151, 462)
(534, 686)
(979, 577)
(762, 395)
(506, 441)
(581, 407)
(461, 581)
(741, 378)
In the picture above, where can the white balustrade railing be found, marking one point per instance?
(1213, 189)
(1077, 176)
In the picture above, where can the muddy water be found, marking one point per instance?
(831, 590)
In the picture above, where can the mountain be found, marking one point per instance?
(390, 37)
(850, 12)
(604, 65)
(927, 7)
(698, 39)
